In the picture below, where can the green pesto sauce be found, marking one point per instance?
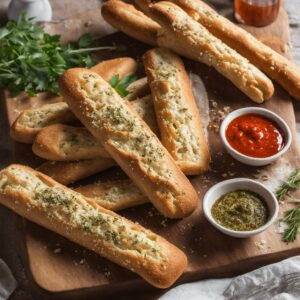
(240, 210)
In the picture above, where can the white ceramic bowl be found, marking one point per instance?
(255, 161)
(221, 188)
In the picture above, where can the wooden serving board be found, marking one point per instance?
(66, 269)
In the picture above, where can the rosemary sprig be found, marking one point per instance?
(292, 216)
(292, 219)
(293, 182)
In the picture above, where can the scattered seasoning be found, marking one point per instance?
(255, 136)
(217, 115)
(240, 210)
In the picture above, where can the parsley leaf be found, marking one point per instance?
(121, 85)
(32, 60)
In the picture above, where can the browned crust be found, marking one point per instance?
(145, 109)
(138, 88)
(186, 197)
(131, 195)
(26, 134)
(50, 143)
(66, 172)
(122, 66)
(144, 6)
(269, 61)
(128, 19)
(187, 37)
(161, 87)
(22, 204)
(60, 142)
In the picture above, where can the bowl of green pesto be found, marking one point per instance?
(240, 207)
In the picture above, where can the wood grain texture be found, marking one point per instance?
(58, 265)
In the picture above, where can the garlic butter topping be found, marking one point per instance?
(178, 119)
(126, 132)
(74, 210)
(44, 116)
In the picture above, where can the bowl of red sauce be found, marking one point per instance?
(255, 136)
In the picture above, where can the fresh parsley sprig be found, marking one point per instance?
(293, 182)
(32, 60)
(120, 85)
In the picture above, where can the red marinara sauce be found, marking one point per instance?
(255, 135)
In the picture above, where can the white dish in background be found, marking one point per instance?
(249, 160)
(221, 188)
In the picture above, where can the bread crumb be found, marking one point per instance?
(57, 250)
(107, 274)
(261, 245)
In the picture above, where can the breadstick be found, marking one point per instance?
(277, 67)
(186, 36)
(145, 109)
(67, 143)
(42, 200)
(122, 66)
(114, 195)
(66, 172)
(129, 141)
(31, 121)
(177, 114)
(128, 19)
(138, 88)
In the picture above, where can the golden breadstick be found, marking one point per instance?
(67, 172)
(31, 121)
(126, 18)
(138, 88)
(129, 141)
(42, 200)
(67, 143)
(186, 36)
(121, 66)
(177, 114)
(114, 195)
(265, 58)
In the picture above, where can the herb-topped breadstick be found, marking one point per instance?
(40, 199)
(182, 34)
(129, 141)
(177, 114)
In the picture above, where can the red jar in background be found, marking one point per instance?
(256, 12)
